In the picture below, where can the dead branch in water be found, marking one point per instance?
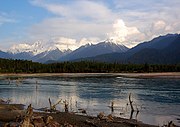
(53, 107)
(137, 112)
(50, 104)
(66, 104)
(132, 108)
(112, 106)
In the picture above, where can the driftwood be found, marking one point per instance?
(102, 116)
(53, 107)
(26, 122)
(13, 111)
(5, 101)
(30, 120)
(83, 111)
(11, 115)
(171, 124)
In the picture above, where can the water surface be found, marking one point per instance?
(158, 100)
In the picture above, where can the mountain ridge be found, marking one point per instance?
(160, 50)
(94, 50)
(157, 51)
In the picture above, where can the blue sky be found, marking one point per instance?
(77, 22)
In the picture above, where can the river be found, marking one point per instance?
(157, 99)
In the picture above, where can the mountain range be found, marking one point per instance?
(90, 50)
(160, 50)
(54, 54)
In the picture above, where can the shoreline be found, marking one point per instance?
(174, 75)
(14, 111)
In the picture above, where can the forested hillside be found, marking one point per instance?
(24, 66)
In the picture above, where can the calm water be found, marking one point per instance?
(157, 99)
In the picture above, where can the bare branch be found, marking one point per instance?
(132, 108)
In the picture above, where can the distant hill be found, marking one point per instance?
(158, 43)
(43, 57)
(48, 55)
(23, 56)
(172, 52)
(91, 50)
(5, 55)
(160, 50)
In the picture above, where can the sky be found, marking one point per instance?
(72, 23)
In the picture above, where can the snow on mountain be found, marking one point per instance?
(35, 48)
(48, 55)
(90, 50)
(163, 49)
(160, 50)
(41, 51)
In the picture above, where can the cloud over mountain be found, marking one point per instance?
(82, 21)
(95, 19)
(121, 32)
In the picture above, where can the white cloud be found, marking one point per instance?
(65, 43)
(159, 25)
(152, 18)
(35, 48)
(78, 22)
(85, 21)
(92, 40)
(90, 20)
(54, 8)
(125, 35)
(68, 28)
(120, 31)
(4, 18)
(79, 9)
(62, 43)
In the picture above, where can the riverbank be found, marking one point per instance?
(130, 75)
(13, 114)
(152, 75)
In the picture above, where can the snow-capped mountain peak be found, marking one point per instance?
(88, 44)
(113, 41)
(35, 48)
(43, 51)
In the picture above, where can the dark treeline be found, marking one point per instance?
(24, 66)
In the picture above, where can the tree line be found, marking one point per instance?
(25, 66)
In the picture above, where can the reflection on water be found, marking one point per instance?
(158, 100)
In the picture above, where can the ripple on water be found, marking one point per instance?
(157, 99)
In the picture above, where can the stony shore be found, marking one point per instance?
(13, 115)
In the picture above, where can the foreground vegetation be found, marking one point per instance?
(24, 66)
